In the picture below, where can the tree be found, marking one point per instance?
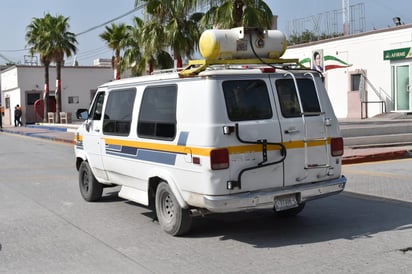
(115, 37)
(237, 13)
(36, 38)
(136, 56)
(171, 24)
(133, 54)
(62, 43)
(49, 36)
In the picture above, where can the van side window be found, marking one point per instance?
(247, 100)
(157, 117)
(97, 108)
(118, 113)
(288, 99)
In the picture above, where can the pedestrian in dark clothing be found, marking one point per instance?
(17, 116)
(1, 118)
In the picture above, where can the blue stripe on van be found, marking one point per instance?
(157, 157)
(142, 154)
(183, 138)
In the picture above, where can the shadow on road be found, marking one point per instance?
(345, 216)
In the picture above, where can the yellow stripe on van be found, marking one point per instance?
(206, 151)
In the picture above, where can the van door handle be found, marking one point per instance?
(291, 130)
(97, 130)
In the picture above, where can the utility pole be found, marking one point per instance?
(345, 17)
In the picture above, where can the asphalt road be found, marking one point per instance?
(46, 227)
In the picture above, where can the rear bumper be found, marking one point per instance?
(264, 199)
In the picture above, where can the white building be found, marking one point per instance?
(365, 74)
(24, 85)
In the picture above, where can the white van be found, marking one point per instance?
(223, 135)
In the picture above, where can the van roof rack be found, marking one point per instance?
(196, 66)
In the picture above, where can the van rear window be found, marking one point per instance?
(289, 102)
(247, 100)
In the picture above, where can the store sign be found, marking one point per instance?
(397, 54)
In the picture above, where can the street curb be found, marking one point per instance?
(391, 155)
(39, 135)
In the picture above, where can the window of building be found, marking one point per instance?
(118, 112)
(73, 99)
(157, 117)
(32, 98)
(288, 99)
(355, 80)
(247, 100)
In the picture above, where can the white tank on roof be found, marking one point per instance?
(235, 43)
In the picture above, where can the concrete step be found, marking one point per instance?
(400, 139)
(372, 130)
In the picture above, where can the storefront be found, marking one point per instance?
(401, 64)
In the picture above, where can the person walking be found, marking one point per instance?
(1, 117)
(17, 116)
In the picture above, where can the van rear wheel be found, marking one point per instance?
(290, 212)
(90, 189)
(173, 219)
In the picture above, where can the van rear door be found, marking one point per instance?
(256, 162)
(303, 128)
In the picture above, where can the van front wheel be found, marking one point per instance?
(90, 189)
(173, 219)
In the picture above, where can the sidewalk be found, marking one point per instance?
(53, 132)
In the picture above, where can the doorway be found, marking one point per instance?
(401, 88)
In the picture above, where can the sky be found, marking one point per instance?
(84, 15)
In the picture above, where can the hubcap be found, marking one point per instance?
(168, 206)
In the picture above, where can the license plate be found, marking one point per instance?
(285, 202)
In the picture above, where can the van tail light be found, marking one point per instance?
(219, 159)
(336, 145)
(268, 70)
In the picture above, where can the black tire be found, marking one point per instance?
(290, 212)
(90, 189)
(173, 219)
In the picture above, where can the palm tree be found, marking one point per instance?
(115, 37)
(237, 13)
(133, 54)
(36, 41)
(171, 24)
(49, 36)
(62, 43)
(182, 31)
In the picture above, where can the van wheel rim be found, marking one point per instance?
(168, 207)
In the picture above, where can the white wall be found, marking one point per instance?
(364, 52)
(75, 81)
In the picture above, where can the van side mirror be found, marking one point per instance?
(83, 115)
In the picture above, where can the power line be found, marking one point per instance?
(112, 20)
(5, 58)
(88, 30)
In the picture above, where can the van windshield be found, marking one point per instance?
(247, 100)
